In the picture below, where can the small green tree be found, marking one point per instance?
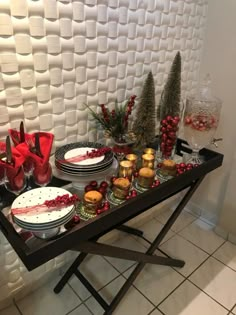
(144, 124)
(171, 95)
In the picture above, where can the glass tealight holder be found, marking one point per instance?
(146, 177)
(133, 158)
(149, 151)
(92, 201)
(120, 193)
(148, 160)
(126, 169)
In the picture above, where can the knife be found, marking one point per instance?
(3, 155)
(22, 132)
(8, 150)
(37, 145)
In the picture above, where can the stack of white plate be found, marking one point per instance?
(86, 167)
(42, 221)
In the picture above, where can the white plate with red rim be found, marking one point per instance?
(38, 196)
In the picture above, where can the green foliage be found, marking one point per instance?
(171, 95)
(114, 122)
(144, 125)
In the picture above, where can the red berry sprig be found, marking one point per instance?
(64, 200)
(48, 205)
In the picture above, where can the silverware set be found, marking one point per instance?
(28, 165)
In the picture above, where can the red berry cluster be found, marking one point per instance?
(97, 152)
(64, 200)
(169, 128)
(200, 122)
(132, 194)
(110, 117)
(129, 109)
(105, 207)
(93, 185)
(183, 167)
(155, 183)
(73, 222)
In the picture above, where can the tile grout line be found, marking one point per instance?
(78, 307)
(232, 309)
(155, 308)
(85, 300)
(16, 305)
(199, 246)
(187, 278)
(208, 295)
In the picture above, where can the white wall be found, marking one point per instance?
(57, 54)
(217, 193)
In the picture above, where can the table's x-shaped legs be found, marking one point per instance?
(92, 247)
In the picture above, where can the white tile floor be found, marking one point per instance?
(205, 285)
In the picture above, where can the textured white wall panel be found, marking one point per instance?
(57, 55)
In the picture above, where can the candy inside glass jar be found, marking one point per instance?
(201, 119)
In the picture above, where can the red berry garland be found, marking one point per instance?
(64, 200)
(89, 155)
(183, 167)
(53, 204)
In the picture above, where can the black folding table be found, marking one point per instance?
(84, 236)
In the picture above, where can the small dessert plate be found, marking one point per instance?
(112, 199)
(83, 214)
(163, 178)
(139, 188)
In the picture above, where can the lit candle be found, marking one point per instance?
(148, 160)
(126, 169)
(133, 159)
(149, 151)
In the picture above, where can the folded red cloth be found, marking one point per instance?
(45, 139)
(14, 171)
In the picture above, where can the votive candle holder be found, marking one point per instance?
(148, 160)
(126, 169)
(133, 158)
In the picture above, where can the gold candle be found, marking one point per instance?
(126, 169)
(148, 160)
(133, 159)
(149, 151)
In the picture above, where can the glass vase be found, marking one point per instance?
(169, 127)
(201, 119)
(42, 174)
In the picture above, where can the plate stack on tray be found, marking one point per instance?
(88, 166)
(43, 224)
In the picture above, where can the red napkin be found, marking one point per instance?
(42, 169)
(14, 172)
(46, 140)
